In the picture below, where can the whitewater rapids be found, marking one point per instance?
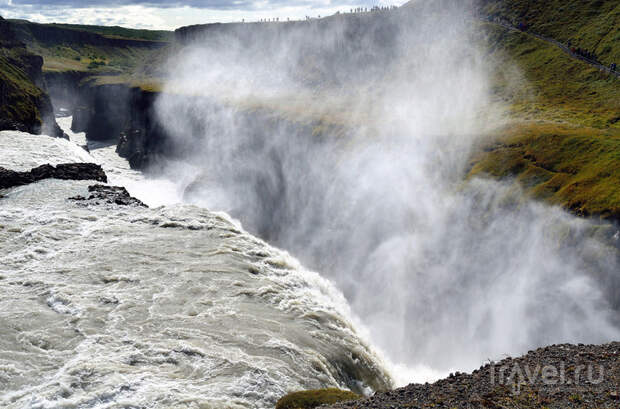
(173, 306)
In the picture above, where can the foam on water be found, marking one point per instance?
(17, 155)
(109, 307)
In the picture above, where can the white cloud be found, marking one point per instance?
(136, 16)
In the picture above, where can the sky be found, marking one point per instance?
(171, 14)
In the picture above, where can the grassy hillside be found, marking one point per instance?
(19, 96)
(23, 105)
(93, 59)
(563, 144)
(91, 49)
(590, 24)
(123, 33)
(554, 86)
(575, 167)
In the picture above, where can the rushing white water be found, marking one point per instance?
(347, 141)
(152, 191)
(177, 306)
(115, 307)
(18, 151)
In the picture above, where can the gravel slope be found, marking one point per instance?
(557, 376)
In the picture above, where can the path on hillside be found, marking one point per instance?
(549, 40)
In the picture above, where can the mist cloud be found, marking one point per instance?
(346, 142)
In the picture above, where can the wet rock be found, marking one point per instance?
(9, 178)
(67, 171)
(100, 194)
(80, 171)
(144, 140)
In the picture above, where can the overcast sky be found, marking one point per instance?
(170, 14)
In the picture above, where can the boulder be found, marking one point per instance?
(109, 194)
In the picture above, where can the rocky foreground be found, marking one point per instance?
(558, 376)
(66, 171)
(98, 194)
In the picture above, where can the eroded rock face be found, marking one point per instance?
(66, 171)
(100, 194)
(126, 116)
(24, 104)
(144, 140)
(63, 87)
(103, 111)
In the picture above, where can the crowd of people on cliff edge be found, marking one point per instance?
(352, 11)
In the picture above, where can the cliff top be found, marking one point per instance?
(89, 33)
(93, 49)
(117, 32)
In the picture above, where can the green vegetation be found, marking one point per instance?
(575, 167)
(100, 60)
(94, 64)
(554, 86)
(313, 399)
(563, 144)
(22, 103)
(99, 51)
(590, 24)
(20, 96)
(122, 33)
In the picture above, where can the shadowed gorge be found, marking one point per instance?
(361, 176)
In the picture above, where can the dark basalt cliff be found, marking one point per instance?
(144, 139)
(64, 88)
(102, 111)
(24, 104)
(114, 113)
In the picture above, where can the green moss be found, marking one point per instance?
(575, 167)
(563, 145)
(313, 399)
(553, 85)
(21, 99)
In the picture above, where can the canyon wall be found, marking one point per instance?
(24, 103)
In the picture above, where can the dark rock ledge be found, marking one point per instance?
(100, 194)
(66, 171)
(558, 376)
